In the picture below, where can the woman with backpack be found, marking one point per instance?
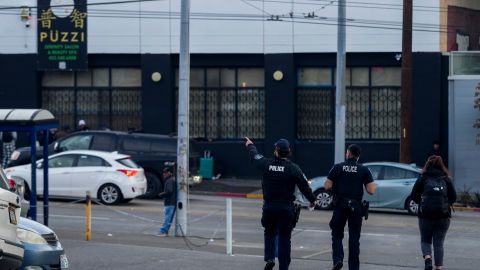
(434, 193)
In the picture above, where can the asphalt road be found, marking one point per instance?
(123, 238)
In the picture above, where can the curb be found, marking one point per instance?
(254, 196)
(466, 209)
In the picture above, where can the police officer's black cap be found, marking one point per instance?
(354, 149)
(282, 145)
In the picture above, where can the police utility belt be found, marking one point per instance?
(349, 203)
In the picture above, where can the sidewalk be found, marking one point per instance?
(252, 189)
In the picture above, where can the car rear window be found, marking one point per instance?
(127, 162)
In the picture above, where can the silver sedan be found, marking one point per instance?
(394, 183)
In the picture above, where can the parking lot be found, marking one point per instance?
(123, 238)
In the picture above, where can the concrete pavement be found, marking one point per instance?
(97, 255)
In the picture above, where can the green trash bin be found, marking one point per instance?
(206, 167)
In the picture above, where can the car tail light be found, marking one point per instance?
(129, 173)
(12, 184)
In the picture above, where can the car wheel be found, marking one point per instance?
(153, 186)
(324, 199)
(412, 207)
(109, 194)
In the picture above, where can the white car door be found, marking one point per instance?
(60, 170)
(91, 170)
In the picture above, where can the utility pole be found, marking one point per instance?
(340, 107)
(183, 121)
(406, 95)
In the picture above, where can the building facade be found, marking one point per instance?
(259, 68)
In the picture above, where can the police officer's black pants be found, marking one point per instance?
(341, 214)
(277, 217)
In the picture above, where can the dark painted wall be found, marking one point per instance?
(19, 85)
(426, 104)
(231, 158)
(18, 81)
(280, 102)
(158, 108)
(19, 78)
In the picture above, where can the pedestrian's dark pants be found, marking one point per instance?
(277, 217)
(341, 214)
(436, 230)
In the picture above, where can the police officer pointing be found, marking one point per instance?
(280, 176)
(346, 180)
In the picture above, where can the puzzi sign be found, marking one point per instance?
(62, 34)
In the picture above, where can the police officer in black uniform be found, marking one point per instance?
(346, 180)
(280, 176)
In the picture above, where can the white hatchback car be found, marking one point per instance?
(11, 249)
(110, 177)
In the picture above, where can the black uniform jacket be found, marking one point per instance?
(349, 178)
(279, 178)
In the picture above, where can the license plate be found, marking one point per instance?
(63, 261)
(11, 214)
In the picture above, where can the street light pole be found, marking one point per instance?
(183, 122)
(340, 107)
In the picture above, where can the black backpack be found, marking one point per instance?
(434, 202)
(7, 137)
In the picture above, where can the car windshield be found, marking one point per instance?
(78, 142)
(127, 162)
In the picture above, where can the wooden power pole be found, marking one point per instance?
(406, 95)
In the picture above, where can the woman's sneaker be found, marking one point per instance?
(428, 264)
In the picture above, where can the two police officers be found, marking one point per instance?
(346, 181)
(280, 176)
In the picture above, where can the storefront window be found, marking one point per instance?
(229, 105)
(104, 97)
(372, 97)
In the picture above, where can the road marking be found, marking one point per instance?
(363, 234)
(77, 217)
(318, 253)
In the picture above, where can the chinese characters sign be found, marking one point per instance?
(62, 34)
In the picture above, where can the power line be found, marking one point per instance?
(251, 17)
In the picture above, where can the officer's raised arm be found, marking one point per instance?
(258, 160)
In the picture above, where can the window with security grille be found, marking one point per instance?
(226, 103)
(372, 98)
(103, 97)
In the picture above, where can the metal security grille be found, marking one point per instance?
(314, 113)
(96, 97)
(386, 113)
(372, 103)
(223, 105)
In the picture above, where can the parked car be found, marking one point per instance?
(43, 250)
(150, 151)
(110, 177)
(17, 186)
(394, 183)
(11, 249)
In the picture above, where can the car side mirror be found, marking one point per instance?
(55, 147)
(39, 165)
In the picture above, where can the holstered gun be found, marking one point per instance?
(365, 207)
